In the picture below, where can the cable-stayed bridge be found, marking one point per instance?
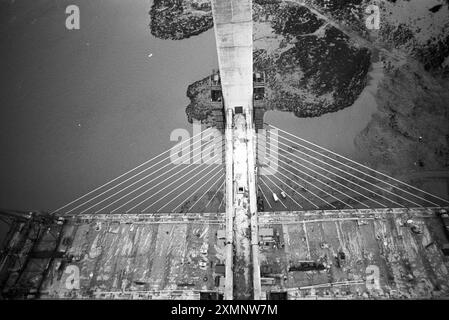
(302, 189)
(311, 177)
(164, 183)
(246, 212)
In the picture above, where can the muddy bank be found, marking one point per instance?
(335, 131)
(180, 19)
(418, 28)
(409, 132)
(330, 74)
(327, 77)
(199, 107)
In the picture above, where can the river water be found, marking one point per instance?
(81, 107)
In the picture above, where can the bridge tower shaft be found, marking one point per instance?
(233, 27)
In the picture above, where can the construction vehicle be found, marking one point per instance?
(306, 266)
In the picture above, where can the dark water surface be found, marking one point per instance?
(79, 108)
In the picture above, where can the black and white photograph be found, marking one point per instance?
(248, 151)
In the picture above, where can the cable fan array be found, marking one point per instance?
(160, 186)
(298, 174)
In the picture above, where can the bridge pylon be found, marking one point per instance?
(233, 27)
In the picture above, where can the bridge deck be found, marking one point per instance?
(157, 257)
(118, 259)
(346, 248)
(233, 33)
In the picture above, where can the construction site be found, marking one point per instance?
(255, 213)
(303, 255)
